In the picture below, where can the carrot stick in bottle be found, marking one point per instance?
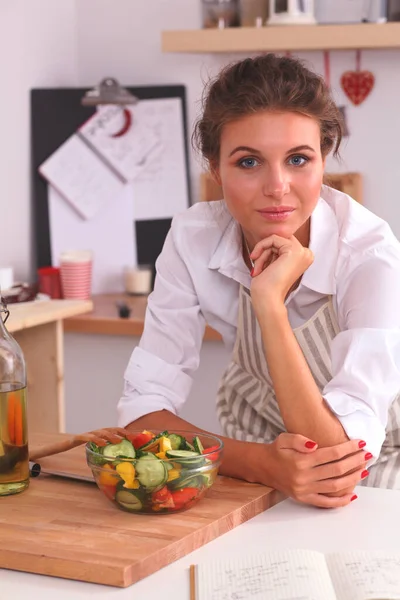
(11, 417)
(18, 424)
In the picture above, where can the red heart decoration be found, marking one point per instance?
(357, 85)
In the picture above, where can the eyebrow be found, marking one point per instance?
(255, 151)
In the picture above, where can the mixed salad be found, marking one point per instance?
(154, 473)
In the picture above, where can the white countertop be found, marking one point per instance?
(369, 523)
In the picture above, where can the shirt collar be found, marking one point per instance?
(324, 243)
(227, 257)
(324, 236)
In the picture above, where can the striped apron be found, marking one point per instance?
(246, 403)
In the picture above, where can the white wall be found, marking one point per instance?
(37, 48)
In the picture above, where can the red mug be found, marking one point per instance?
(50, 282)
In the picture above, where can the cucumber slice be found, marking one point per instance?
(189, 446)
(186, 481)
(188, 459)
(139, 454)
(178, 442)
(151, 472)
(181, 454)
(129, 500)
(198, 446)
(124, 448)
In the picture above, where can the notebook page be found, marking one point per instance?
(281, 575)
(365, 575)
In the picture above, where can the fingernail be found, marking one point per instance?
(368, 456)
(353, 498)
(364, 474)
(362, 444)
(310, 444)
(252, 272)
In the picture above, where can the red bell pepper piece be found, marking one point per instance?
(184, 496)
(140, 439)
(212, 456)
(163, 498)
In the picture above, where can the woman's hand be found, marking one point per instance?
(278, 264)
(308, 475)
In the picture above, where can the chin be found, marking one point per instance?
(282, 230)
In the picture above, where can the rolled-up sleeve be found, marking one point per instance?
(366, 353)
(159, 373)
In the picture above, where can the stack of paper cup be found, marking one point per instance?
(76, 274)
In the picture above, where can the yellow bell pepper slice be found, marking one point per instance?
(108, 476)
(127, 473)
(165, 444)
(173, 474)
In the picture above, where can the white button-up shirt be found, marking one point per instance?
(356, 260)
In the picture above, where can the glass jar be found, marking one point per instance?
(14, 458)
(220, 13)
(253, 13)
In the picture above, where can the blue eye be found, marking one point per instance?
(298, 160)
(248, 163)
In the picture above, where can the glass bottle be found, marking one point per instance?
(14, 457)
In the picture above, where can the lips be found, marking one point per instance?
(276, 213)
(277, 209)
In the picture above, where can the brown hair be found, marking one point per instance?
(266, 82)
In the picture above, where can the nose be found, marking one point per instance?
(277, 183)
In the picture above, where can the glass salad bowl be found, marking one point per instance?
(156, 473)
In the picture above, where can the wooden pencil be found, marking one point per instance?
(192, 582)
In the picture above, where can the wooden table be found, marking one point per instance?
(37, 327)
(69, 529)
(370, 523)
(104, 318)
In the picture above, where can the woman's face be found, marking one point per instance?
(271, 171)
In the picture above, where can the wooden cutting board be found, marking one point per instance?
(67, 528)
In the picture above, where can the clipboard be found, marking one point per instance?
(56, 114)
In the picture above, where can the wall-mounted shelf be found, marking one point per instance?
(278, 39)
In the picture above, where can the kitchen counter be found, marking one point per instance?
(104, 318)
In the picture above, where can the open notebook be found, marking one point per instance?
(299, 575)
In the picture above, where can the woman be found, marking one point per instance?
(302, 284)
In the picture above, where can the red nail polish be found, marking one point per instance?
(368, 456)
(310, 445)
(364, 474)
(353, 498)
(362, 444)
(252, 272)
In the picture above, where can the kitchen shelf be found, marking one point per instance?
(281, 38)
